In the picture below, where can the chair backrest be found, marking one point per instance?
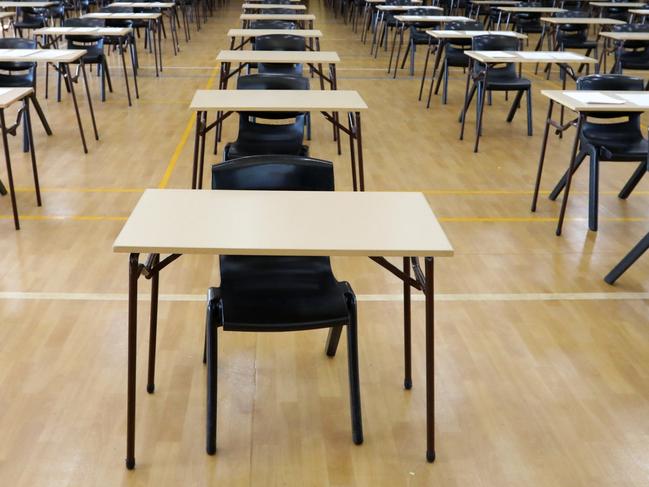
(273, 24)
(279, 11)
(495, 42)
(572, 30)
(268, 81)
(458, 25)
(32, 15)
(612, 82)
(633, 28)
(17, 43)
(93, 44)
(274, 173)
(280, 42)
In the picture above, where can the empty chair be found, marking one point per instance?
(94, 47)
(575, 36)
(504, 78)
(616, 12)
(280, 42)
(454, 53)
(635, 54)
(278, 294)
(21, 75)
(528, 22)
(418, 36)
(273, 24)
(256, 138)
(29, 19)
(605, 141)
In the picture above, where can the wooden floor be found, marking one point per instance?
(542, 369)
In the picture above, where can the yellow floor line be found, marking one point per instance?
(183, 139)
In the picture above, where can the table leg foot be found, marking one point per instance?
(130, 463)
(430, 456)
(407, 384)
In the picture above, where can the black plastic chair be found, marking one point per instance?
(454, 53)
(504, 78)
(528, 22)
(615, 12)
(21, 75)
(635, 54)
(94, 46)
(618, 141)
(280, 42)
(276, 294)
(418, 36)
(575, 36)
(258, 138)
(29, 19)
(273, 24)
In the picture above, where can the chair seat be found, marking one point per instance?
(635, 59)
(280, 294)
(615, 142)
(289, 69)
(456, 57)
(502, 80)
(577, 43)
(17, 81)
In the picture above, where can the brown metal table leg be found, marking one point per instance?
(32, 151)
(10, 177)
(68, 79)
(544, 145)
(121, 54)
(197, 138)
(407, 339)
(571, 168)
(87, 87)
(430, 361)
(359, 144)
(133, 275)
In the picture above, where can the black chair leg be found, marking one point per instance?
(633, 180)
(629, 259)
(562, 182)
(354, 379)
(530, 127)
(105, 67)
(593, 191)
(514, 107)
(212, 371)
(332, 340)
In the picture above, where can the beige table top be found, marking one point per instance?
(84, 31)
(277, 17)
(262, 6)
(563, 98)
(142, 4)
(28, 4)
(523, 57)
(277, 100)
(41, 55)
(124, 16)
(626, 36)
(430, 18)
(375, 2)
(304, 223)
(269, 32)
(582, 20)
(6, 15)
(495, 3)
(639, 11)
(532, 10)
(468, 34)
(618, 5)
(259, 1)
(254, 56)
(9, 96)
(405, 8)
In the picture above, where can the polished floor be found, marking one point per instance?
(542, 371)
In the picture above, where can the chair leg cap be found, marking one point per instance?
(358, 441)
(211, 450)
(430, 456)
(130, 463)
(407, 384)
(150, 388)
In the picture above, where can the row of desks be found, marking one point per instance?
(376, 225)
